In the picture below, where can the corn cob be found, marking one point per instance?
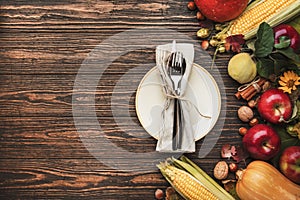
(203, 177)
(273, 12)
(185, 184)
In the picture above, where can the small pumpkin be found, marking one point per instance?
(261, 181)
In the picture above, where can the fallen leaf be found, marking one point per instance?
(240, 154)
(226, 151)
(235, 42)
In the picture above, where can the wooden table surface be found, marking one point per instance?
(61, 137)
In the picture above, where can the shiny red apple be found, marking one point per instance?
(262, 142)
(275, 106)
(221, 10)
(287, 32)
(289, 163)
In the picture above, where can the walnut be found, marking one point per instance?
(245, 113)
(253, 122)
(221, 170)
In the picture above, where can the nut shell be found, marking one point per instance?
(253, 122)
(233, 167)
(252, 103)
(243, 131)
(159, 194)
(221, 170)
(245, 113)
(191, 5)
(200, 16)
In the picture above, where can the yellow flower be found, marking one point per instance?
(289, 81)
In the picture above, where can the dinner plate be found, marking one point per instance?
(202, 92)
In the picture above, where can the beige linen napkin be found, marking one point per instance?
(164, 143)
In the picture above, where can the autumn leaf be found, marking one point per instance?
(235, 42)
(237, 153)
(240, 154)
(227, 151)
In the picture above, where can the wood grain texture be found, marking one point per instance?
(43, 45)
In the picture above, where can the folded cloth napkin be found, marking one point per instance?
(164, 143)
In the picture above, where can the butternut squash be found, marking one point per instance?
(261, 181)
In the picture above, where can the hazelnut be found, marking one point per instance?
(200, 16)
(253, 122)
(204, 44)
(266, 86)
(221, 170)
(191, 5)
(252, 103)
(233, 167)
(159, 194)
(242, 131)
(245, 113)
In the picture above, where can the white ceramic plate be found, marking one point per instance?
(202, 91)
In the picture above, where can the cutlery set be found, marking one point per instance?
(176, 68)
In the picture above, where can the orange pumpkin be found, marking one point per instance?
(261, 181)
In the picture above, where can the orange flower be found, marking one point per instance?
(289, 81)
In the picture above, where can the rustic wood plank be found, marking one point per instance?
(56, 137)
(55, 103)
(43, 45)
(82, 178)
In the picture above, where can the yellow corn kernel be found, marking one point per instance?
(187, 185)
(261, 12)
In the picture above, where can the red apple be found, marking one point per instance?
(262, 142)
(289, 163)
(221, 10)
(287, 32)
(275, 106)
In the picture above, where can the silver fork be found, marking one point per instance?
(176, 69)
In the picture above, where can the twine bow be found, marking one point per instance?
(172, 95)
(254, 83)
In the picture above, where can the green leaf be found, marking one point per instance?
(278, 56)
(283, 63)
(265, 67)
(296, 113)
(278, 66)
(265, 40)
(289, 53)
(280, 63)
(284, 42)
